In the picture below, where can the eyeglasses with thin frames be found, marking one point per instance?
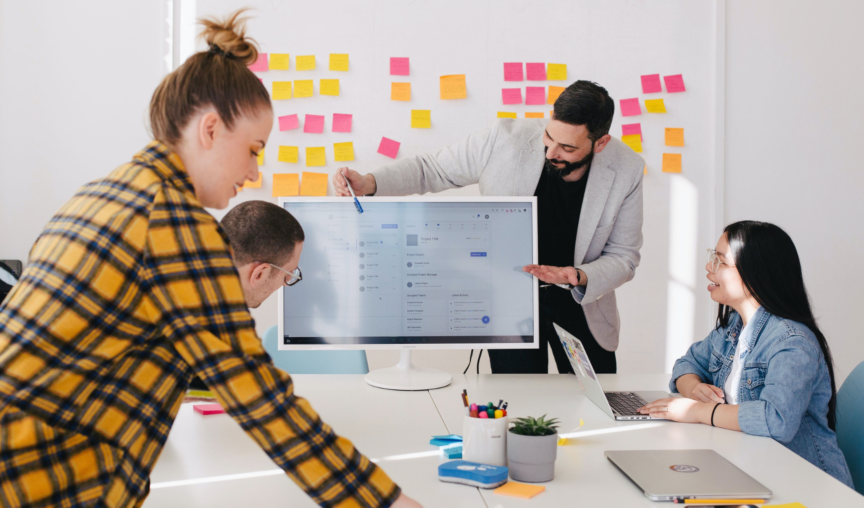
(293, 277)
(714, 261)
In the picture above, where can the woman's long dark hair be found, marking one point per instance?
(769, 266)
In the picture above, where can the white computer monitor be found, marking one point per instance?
(412, 273)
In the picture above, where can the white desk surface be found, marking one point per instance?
(390, 426)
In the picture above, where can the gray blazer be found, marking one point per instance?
(507, 160)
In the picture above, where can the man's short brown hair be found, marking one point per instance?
(261, 231)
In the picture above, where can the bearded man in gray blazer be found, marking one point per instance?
(589, 199)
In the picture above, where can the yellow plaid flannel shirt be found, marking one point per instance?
(129, 291)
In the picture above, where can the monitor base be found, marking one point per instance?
(405, 376)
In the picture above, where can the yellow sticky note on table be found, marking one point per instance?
(279, 61)
(261, 157)
(304, 88)
(634, 141)
(315, 156)
(556, 72)
(522, 490)
(671, 162)
(674, 136)
(314, 184)
(655, 106)
(534, 115)
(256, 184)
(554, 92)
(453, 87)
(421, 119)
(784, 505)
(306, 63)
(281, 90)
(286, 184)
(400, 91)
(338, 61)
(343, 151)
(506, 114)
(329, 87)
(288, 153)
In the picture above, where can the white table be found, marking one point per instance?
(395, 427)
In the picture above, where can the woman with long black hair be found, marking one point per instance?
(766, 369)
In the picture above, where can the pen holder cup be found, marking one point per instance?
(485, 440)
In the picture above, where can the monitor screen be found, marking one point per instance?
(413, 272)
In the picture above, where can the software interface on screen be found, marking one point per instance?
(412, 272)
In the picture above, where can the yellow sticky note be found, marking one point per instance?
(338, 61)
(534, 115)
(655, 106)
(784, 505)
(329, 87)
(288, 153)
(522, 490)
(314, 184)
(634, 141)
(674, 136)
(421, 119)
(304, 88)
(671, 162)
(315, 156)
(554, 92)
(281, 90)
(556, 72)
(279, 61)
(453, 87)
(286, 184)
(343, 151)
(400, 91)
(256, 184)
(506, 114)
(645, 169)
(306, 63)
(261, 157)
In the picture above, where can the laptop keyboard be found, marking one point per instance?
(625, 403)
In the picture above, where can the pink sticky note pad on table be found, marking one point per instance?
(289, 122)
(536, 71)
(208, 409)
(388, 147)
(399, 66)
(511, 95)
(260, 65)
(535, 95)
(632, 128)
(674, 83)
(341, 122)
(651, 83)
(314, 124)
(513, 71)
(630, 107)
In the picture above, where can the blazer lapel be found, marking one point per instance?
(531, 160)
(600, 179)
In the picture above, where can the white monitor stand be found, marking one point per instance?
(406, 376)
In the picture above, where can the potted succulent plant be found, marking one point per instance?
(532, 447)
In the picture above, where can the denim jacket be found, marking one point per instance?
(785, 386)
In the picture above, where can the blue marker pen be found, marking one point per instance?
(356, 202)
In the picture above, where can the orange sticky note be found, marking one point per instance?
(453, 87)
(522, 490)
(339, 62)
(304, 88)
(554, 92)
(315, 156)
(343, 151)
(329, 87)
(288, 153)
(655, 106)
(314, 184)
(256, 184)
(286, 184)
(674, 136)
(671, 162)
(400, 91)
(279, 61)
(421, 119)
(634, 141)
(506, 114)
(261, 157)
(281, 90)
(534, 115)
(306, 63)
(645, 169)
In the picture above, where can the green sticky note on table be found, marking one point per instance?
(304, 88)
(655, 106)
(306, 63)
(421, 119)
(339, 62)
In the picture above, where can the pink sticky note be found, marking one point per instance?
(314, 124)
(399, 66)
(513, 72)
(674, 83)
(208, 409)
(388, 147)
(536, 71)
(289, 122)
(535, 95)
(260, 65)
(630, 107)
(341, 123)
(512, 95)
(632, 128)
(651, 83)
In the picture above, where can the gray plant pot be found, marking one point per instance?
(532, 458)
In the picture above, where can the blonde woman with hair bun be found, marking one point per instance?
(130, 291)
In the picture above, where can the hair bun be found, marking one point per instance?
(229, 35)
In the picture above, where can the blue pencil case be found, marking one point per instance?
(472, 473)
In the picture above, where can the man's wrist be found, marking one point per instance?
(370, 179)
(582, 278)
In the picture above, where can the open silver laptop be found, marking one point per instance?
(675, 475)
(618, 405)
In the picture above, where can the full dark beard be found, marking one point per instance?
(568, 167)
